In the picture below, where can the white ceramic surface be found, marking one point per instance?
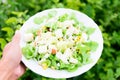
(97, 36)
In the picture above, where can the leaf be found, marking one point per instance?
(63, 17)
(102, 76)
(73, 4)
(92, 45)
(107, 39)
(0, 54)
(117, 74)
(110, 74)
(9, 31)
(11, 20)
(52, 13)
(89, 10)
(28, 51)
(86, 59)
(115, 38)
(2, 43)
(19, 14)
(56, 1)
(39, 20)
(117, 61)
(83, 48)
(90, 30)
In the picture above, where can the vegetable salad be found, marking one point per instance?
(60, 42)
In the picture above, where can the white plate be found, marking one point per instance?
(97, 36)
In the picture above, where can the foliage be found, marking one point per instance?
(106, 13)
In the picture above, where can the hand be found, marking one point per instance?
(11, 67)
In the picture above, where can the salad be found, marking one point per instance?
(59, 42)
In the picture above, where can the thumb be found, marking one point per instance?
(16, 37)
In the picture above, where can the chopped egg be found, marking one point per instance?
(46, 56)
(76, 31)
(42, 49)
(67, 53)
(58, 33)
(46, 35)
(60, 56)
(70, 31)
(84, 37)
(28, 37)
(64, 57)
(52, 40)
(68, 23)
(73, 60)
(37, 38)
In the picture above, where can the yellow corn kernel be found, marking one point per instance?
(77, 39)
(44, 66)
(52, 67)
(60, 39)
(43, 28)
(82, 40)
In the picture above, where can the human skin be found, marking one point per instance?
(11, 67)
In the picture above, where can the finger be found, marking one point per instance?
(21, 69)
(6, 47)
(16, 37)
(12, 51)
(15, 41)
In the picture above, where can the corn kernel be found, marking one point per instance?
(44, 66)
(52, 67)
(77, 39)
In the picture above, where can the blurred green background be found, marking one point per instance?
(106, 13)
